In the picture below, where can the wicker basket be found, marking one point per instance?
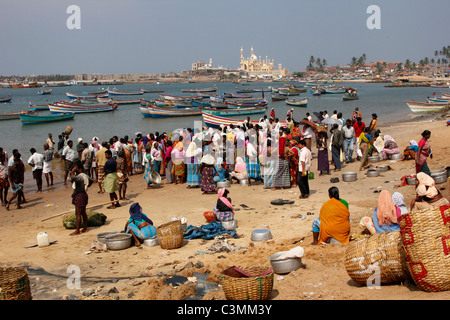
(425, 236)
(379, 253)
(253, 283)
(14, 284)
(170, 235)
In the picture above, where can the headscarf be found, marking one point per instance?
(386, 210)
(240, 165)
(225, 201)
(399, 201)
(413, 143)
(208, 159)
(426, 186)
(136, 213)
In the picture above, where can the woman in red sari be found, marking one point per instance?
(422, 154)
(293, 161)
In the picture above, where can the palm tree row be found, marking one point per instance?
(316, 64)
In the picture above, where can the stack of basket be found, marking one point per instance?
(426, 244)
(14, 284)
(252, 283)
(376, 260)
(170, 235)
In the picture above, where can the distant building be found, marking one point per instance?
(201, 65)
(255, 67)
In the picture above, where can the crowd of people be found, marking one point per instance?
(278, 154)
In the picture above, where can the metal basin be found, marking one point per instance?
(223, 184)
(439, 176)
(373, 173)
(383, 168)
(243, 182)
(396, 156)
(101, 236)
(155, 178)
(261, 235)
(411, 180)
(229, 225)
(118, 241)
(151, 242)
(283, 266)
(349, 176)
(374, 159)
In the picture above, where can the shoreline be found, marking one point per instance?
(289, 225)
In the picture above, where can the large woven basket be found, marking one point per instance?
(14, 284)
(170, 235)
(425, 236)
(377, 259)
(253, 283)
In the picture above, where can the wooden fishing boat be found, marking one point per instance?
(278, 97)
(35, 119)
(157, 112)
(334, 90)
(347, 97)
(85, 95)
(245, 103)
(418, 107)
(236, 95)
(25, 85)
(71, 108)
(244, 90)
(297, 103)
(212, 89)
(297, 90)
(217, 121)
(445, 96)
(7, 98)
(42, 92)
(117, 93)
(167, 97)
(201, 104)
(119, 101)
(435, 100)
(39, 107)
(234, 111)
(15, 115)
(151, 91)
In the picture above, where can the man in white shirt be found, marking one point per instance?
(36, 161)
(69, 156)
(304, 165)
(349, 140)
(308, 134)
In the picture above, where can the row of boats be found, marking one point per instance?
(431, 105)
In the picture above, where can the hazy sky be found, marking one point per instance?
(152, 36)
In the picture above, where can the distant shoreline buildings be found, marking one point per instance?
(257, 68)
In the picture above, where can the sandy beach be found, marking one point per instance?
(139, 273)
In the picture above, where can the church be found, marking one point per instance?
(255, 67)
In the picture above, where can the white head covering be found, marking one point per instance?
(426, 186)
(399, 201)
(208, 159)
(413, 143)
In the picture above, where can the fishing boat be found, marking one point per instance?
(201, 104)
(234, 111)
(71, 108)
(297, 103)
(418, 107)
(15, 115)
(297, 90)
(25, 85)
(35, 119)
(334, 90)
(216, 122)
(151, 91)
(436, 100)
(85, 95)
(119, 101)
(213, 89)
(157, 112)
(244, 90)
(42, 92)
(7, 98)
(39, 107)
(446, 96)
(168, 97)
(245, 103)
(347, 97)
(117, 93)
(278, 97)
(237, 95)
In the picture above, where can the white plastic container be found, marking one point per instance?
(42, 239)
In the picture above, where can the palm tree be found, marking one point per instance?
(354, 60)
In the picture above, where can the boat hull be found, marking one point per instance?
(421, 107)
(234, 112)
(35, 119)
(216, 122)
(156, 112)
(297, 103)
(54, 109)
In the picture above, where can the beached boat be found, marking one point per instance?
(42, 92)
(35, 119)
(119, 101)
(15, 115)
(85, 95)
(117, 93)
(418, 107)
(157, 112)
(7, 98)
(151, 91)
(71, 108)
(234, 111)
(347, 97)
(297, 103)
(217, 121)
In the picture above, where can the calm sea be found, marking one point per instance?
(388, 103)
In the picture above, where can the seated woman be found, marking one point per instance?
(390, 147)
(410, 151)
(240, 171)
(139, 225)
(333, 223)
(224, 209)
(222, 171)
(386, 214)
(427, 195)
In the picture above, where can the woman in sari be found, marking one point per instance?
(207, 173)
(193, 158)
(282, 177)
(293, 161)
(366, 147)
(253, 166)
(386, 214)
(128, 149)
(269, 164)
(427, 195)
(333, 223)
(122, 174)
(168, 162)
(323, 165)
(148, 167)
(240, 171)
(138, 155)
(224, 209)
(410, 151)
(139, 225)
(178, 169)
(422, 153)
(390, 147)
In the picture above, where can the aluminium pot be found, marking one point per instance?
(374, 159)
(101, 236)
(284, 266)
(396, 156)
(229, 225)
(373, 173)
(349, 176)
(261, 235)
(411, 180)
(118, 241)
(223, 184)
(439, 176)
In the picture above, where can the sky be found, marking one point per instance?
(163, 36)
